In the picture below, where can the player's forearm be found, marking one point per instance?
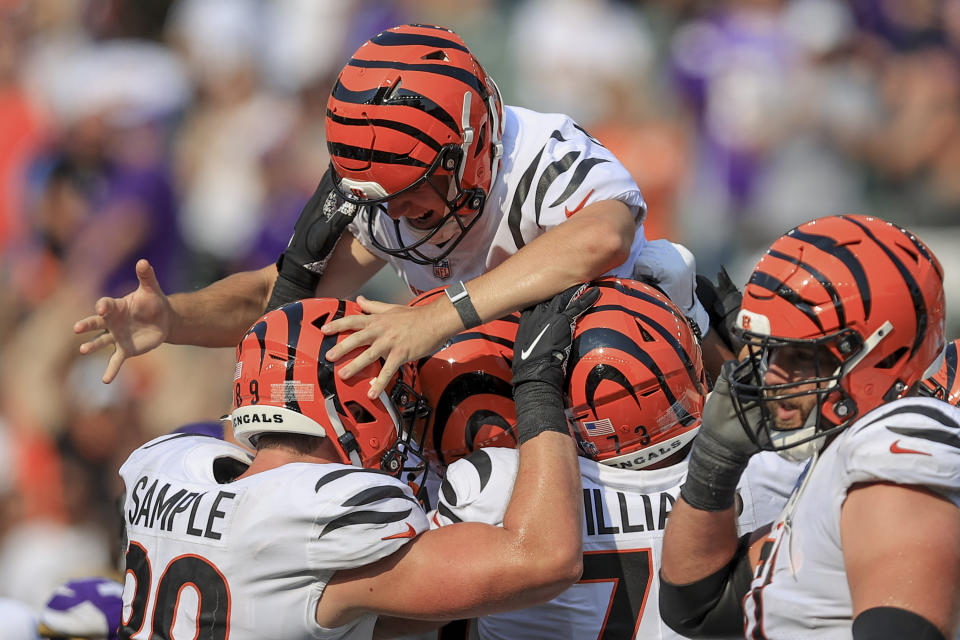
(581, 249)
(219, 314)
(697, 543)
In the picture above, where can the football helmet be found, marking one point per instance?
(944, 384)
(863, 299)
(635, 378)
(467, 386)
(283, 383)
(414, 103)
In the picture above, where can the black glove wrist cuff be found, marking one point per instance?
(293, 283)
(539, 409)
(712, 476)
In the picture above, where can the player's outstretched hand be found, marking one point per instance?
(396, 333)
(721, 449)
(136, 323)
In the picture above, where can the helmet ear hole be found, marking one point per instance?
(359, 412)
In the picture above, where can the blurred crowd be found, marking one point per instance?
(191, 132)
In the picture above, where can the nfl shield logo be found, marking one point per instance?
(441, 270)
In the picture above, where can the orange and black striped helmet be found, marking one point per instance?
(861, 296)
(944, 384)
(635, 378)
(283, 383)
(411, 103)
(467, 386)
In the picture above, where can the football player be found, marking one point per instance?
(313, 536)
(842, 316)
(944, 384)
(432, 174)
(635, 388)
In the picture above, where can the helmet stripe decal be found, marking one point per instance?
(579, 175)
(399, 98)
(919, 305)
(294, 313)
(375, 156)
(950, 360)
(365, 517)
(325, 379)
(413, 132)
(921, 248)
(844, 255)
(391, 39)
(456, 73)
(480, 419)
(260, 330)
(822, 279)
(377, 494)
(780, 289)
(460, 388)
(603, 372)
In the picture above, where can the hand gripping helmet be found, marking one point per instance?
(863, 299)
(467, 386)
(944, 384)
(412, 103)
(636, 383)
(283, 383)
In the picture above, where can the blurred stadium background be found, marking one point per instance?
(191, 132)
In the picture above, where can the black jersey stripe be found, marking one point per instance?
(927, 411)
(519, 196)
(586, 133)
(398, 97)
(822, 279)
(480, 460)
(365, 517)
(394, 39)
(460, 388)
(934, 435)
(780, 289)
(340, 150)
(413, 132)
(329, 477)
(450, 71)
(579, 175)
(449, 493)
(445, 511)
(553, 171)
(919, 305)
(844, 255)
(376, 494)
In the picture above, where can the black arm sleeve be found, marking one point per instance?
(889, 623)
(711, 606)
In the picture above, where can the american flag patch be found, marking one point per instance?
(598, 427)
(237, 370)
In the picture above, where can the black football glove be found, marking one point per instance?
(721, 449)
(543, 343)
(722, 302)
(316, 233)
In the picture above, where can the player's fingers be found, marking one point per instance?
(378, 384)
(373, 306)
(113, 366)
(90, 323)
(101, 341)
(363, 359)
(147, 276)
(347, 323)
(348, 344)
(105, 307)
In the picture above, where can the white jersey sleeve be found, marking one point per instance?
(550, 170)
(265, 545)
(800, 589)
(474, 488)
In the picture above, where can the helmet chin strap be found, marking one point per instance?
(339, 429)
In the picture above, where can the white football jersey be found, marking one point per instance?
(625, 512)
(800, 589)
(207, 556)
(550, 169)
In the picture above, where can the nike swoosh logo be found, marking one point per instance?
(525, 353)
(896, 448)
(583, 203)
(409, 533)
